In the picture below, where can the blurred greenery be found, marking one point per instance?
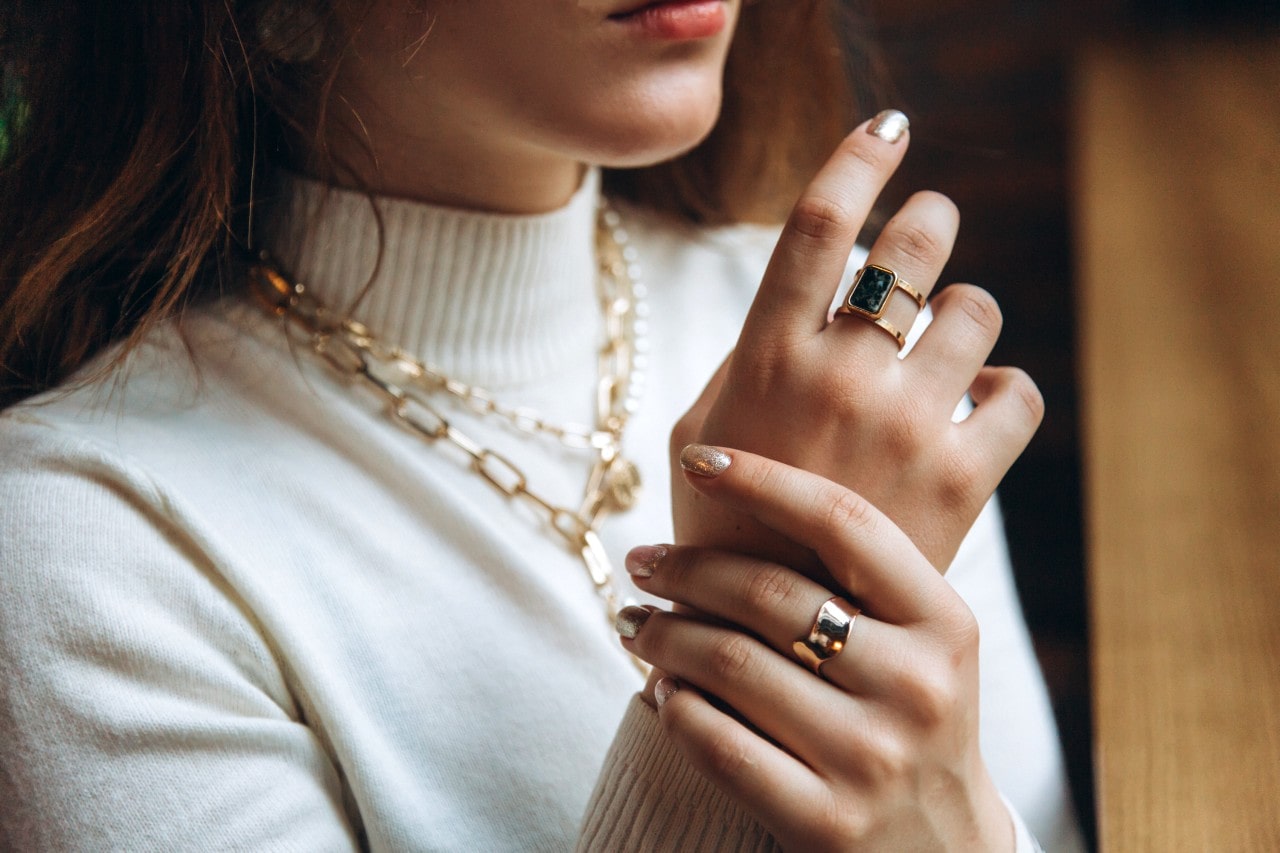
(14, 112)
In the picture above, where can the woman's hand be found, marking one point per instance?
(832, 397)
(881, 751)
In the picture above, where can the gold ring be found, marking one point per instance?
(827, 637)
(868, 297)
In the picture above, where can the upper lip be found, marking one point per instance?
(633, 7)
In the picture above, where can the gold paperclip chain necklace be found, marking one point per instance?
(408, 385)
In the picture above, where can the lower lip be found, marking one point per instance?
(682, 20)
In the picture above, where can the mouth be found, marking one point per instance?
(638, 6)
(675, 19)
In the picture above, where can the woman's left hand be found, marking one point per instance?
(881, 751)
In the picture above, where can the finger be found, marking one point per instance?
(767, 781)
(803, 714)
(915, 245)
(777, 605)
(1008, 410)
(966, 324)
(864, 551)
(815, 244)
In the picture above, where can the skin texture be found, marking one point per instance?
(881, 432)
(497, 104)
(883, 754)
(872, 422)
(499, 109)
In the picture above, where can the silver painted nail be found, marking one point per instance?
(889, 125)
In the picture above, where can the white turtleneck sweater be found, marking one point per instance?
(240, 609)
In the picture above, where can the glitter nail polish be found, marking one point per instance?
(704, 460)
(664, 690)
(630, 620)
(643, 561)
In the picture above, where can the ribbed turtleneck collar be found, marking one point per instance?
(490, 299)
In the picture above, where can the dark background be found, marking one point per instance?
(988, 87)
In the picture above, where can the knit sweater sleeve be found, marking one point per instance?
(648, 798)
(140, 708)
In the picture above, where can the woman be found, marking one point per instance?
(264, 597)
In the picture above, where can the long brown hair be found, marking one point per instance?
(138, 132)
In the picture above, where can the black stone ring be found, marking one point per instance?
(868, 298)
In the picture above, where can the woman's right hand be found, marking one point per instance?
(832, 397)
(872, 744)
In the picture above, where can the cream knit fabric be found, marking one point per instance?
(239, 609)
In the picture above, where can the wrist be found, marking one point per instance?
(997, 826)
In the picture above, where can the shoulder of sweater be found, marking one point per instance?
(91, 539)
(68, 489)
(200, 379)
(137, 447)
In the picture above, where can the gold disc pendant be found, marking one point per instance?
(621, 484)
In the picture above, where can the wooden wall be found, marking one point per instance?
(988, 86)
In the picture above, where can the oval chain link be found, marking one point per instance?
(349, 348)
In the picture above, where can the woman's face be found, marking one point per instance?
(608, 82)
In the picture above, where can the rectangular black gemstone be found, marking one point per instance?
(871, 290)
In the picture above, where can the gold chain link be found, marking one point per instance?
(408, 384)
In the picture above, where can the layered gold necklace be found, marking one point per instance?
(412, 388)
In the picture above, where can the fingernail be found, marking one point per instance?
(642, 561)
(664, 690)
(630, 620)
(703, 460)
(889, 125)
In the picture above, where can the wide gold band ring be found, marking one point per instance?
(827, 637)
(868, 297)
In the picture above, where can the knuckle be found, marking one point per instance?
(728, 756)
(770, 588)
(935, 695)
(846, 826)
(822, 219)
(862, 156)
(963, 632)
(961, 479)
(980, 307)
(917, 242)
(889, 758)
(759, 478)
(731, 657)
(849, 511)
(1025, 391)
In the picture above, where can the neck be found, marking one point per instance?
(440, 154)
(466, 176)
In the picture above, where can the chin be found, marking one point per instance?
(650, 132)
